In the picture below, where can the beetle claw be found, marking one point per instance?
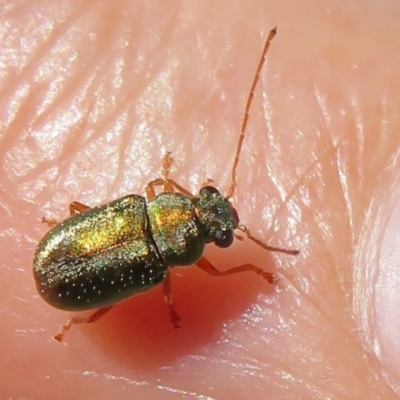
(270, 277)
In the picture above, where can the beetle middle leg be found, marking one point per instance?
(80, 319)
(174, 317)
(206, 266)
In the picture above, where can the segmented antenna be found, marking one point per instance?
(246, 231)
(231, 191)
(271, 35)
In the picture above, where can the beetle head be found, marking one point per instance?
(217, 216)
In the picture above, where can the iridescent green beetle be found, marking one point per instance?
(103, 255)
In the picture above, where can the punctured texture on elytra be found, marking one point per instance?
(99, 257)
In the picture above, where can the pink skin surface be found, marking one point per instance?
(92, 96)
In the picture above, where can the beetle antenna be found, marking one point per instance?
(271, 35)
(246, 231)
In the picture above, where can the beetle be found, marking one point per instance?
(103, 255)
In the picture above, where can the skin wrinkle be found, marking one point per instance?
(321, 101)
(237, 338)
(345, 190)
(367, 272)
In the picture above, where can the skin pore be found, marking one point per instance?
(95, 93)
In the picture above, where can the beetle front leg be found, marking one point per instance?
(164, 181)
(80, 319)
(169, 187)
(150, 188)
(206, 266)
(168, 184)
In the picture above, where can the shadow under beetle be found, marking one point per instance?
(103, 255)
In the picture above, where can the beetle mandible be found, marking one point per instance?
(100, 256)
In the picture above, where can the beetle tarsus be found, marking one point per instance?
(80, 319)
(270, 277)
(50, 222)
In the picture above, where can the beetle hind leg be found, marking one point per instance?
(74, 208)
(80, 319)
(50, 222)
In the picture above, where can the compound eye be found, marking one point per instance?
(223, 239)
(208, 190)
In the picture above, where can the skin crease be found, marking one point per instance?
(94, 95)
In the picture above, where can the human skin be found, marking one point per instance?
(92, 97)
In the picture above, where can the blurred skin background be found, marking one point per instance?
(93, 95)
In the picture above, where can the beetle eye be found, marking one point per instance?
(223, 238)
(208, 190)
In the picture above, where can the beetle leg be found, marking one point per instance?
(150, 188)
(180, 188)
(206, 266)
(169, 186)
(164, 181)
(174, 317)
(76, 207)
(80, 319)
(51, 222)
(167, 162)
